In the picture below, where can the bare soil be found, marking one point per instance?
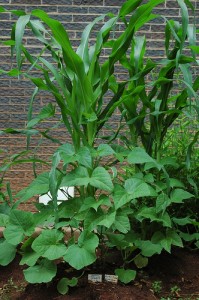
(167, 277)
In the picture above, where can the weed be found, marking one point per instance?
(10, 288)
(175, 290)
(157, 287)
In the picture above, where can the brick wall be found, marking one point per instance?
(15, 94)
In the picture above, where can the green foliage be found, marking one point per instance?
(64, 284)
(85, 251)
(7, 251)
(44, 271)
(49, 244)
(125, 276)
(157, 287)
(137, 210)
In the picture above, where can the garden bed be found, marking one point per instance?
(167, 277)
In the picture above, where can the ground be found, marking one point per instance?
(167, 277)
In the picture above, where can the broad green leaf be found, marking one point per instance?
(29, 258)
(4, 219)
(150, 213)
(165, 219)
(13, 234)
(105, 150)
(84, 157)
(101, 217)
(46, 214)
(21, 225)
(62, 286)
(92, 202)
(178, 195)
(176, 183)
(139, 156)
(182, 221)
(77, 177)
(117, 240)
(149, 249)
(67, 153)
(67, 209)
(125, 275)
(162, 202)
(5, 209)
(107, 219)
(138, 188)
(169, 161)
(174, 237)
(49, 244)
(160, 238)
(40, 185)
(166, 241)
(187, 237)
(140, 261)
(101, 179)
(41, 273)
(73, 282)
(7, 252)
(121, 197)
(64, 283)
(84, 251)
(122, 223)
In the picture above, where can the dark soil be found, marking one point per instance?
(167, 277)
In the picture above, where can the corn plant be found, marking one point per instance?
(167, 86)
(77, 79)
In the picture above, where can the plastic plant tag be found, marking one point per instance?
(111, 278)
(94, 278)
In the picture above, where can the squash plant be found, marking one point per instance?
(130, 214)
(110, 209)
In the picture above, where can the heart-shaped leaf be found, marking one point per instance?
(49, 244)
(41, 273)
(21, 224)
(125, 276)
(64, 283)
(7, 252)
(82, 254)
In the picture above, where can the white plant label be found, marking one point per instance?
(94, 278)
(111, 278)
